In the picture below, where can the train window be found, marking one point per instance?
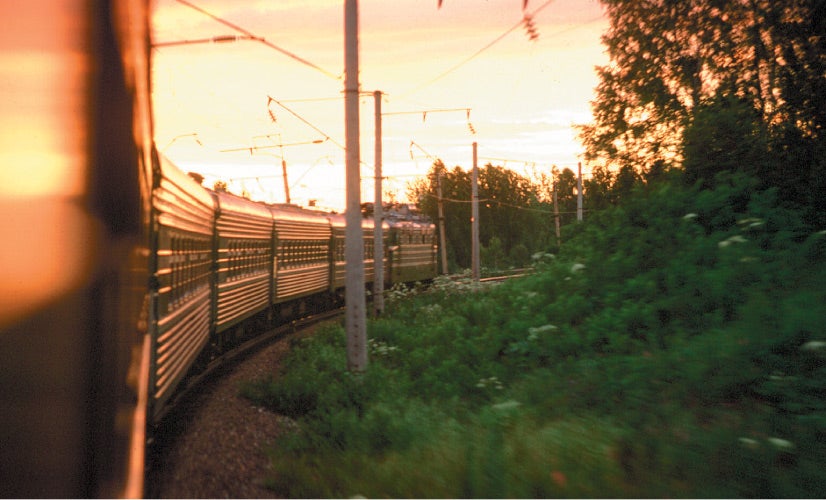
(302, 253)
(340, 249)
(189, 267)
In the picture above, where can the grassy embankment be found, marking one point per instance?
(674, 347)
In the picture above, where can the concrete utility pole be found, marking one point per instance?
(284, 175)
(355, 315)
(579, 192)
(556, 207)
(378, 215)
(442, 227)
(474, 219)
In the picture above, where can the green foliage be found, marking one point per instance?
(510, 212)
(725, 134)
(717, 86)
(674, 347)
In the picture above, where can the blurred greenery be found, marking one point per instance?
(674, 346)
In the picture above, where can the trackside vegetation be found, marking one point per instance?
(674, 346)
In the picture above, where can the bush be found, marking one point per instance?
(674, 347)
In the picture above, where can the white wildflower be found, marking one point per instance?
(813, 346)
(817, 347)
(535, 332)
(577, 267)
(781, 444)
(750, 222)
(491, 382)
(690, 216)
(507, 405)
(734, 239)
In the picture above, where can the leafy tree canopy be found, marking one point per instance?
(684, 71)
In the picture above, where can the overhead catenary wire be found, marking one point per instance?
(501, 203)
(478, 52)
(252, 36)
(307, 122)
(303, 120)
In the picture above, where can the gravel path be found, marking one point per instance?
(215, 445)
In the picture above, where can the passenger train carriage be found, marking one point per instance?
(412, 251)
(128, 274)
(226, 267)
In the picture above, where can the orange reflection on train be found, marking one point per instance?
(74, 132)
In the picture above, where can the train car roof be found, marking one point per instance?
(228, 202)
(296, 213)
(340, 221)
(176, 176)
(409, 224)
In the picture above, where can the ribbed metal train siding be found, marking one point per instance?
(184, 214)
(340, 265)
(312, 275)
(244, 265)
(415, 256)
(238, 301)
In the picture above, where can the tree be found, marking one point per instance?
(512, 217)
(725, 134)
(565, 185)
(598, 188)
(674, 64)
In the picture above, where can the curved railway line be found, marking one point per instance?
(213, 442)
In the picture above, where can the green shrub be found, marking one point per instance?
(674, 347)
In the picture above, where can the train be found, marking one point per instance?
(119, 273)
(223, 267)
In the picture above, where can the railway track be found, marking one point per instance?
(513, 273)
(504, 276)
(212, 442)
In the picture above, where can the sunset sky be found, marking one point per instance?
(433, 64)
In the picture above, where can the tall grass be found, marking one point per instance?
(674, 347)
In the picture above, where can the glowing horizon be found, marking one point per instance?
(524, 96)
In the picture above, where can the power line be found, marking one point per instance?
(501, 203)
(271, 99)
(252, 36)
(308, 123)
(480, 51)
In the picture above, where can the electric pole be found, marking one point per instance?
(378, 215)
(556, 207)
(442, 228)
(474, 219)
(284, 174)
(355, 315)
(579, 192)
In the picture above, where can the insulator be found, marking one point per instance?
(530, 28)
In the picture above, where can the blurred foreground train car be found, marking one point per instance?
(119, 274)
(75, 191)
